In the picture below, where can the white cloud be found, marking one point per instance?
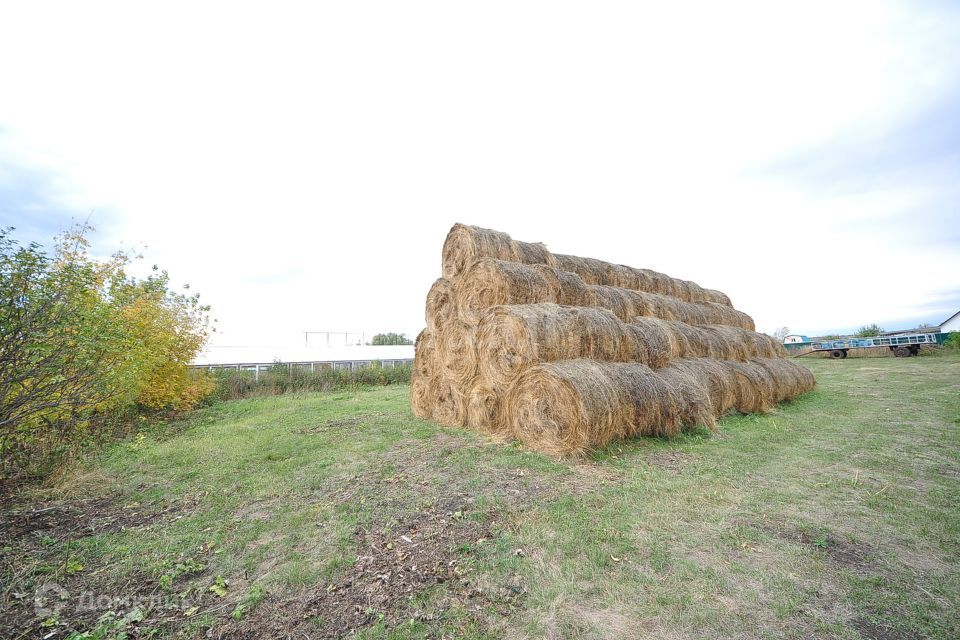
(300, 164)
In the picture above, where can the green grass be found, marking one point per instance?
(834, 516)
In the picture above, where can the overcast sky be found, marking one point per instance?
(300, 164)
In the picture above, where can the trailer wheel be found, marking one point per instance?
(915, 350)
(845, 352)
(902, 352)
(837, 353)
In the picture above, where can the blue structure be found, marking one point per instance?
(901, 345)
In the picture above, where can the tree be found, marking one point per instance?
(80, 340)
(390, 339)
(781, 333)
(869, 331)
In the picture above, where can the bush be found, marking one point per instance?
(82, 345)
(230, 384)
(869, 331)
(391, 339)
(953, 341)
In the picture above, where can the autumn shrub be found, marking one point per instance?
(83, 345)
(231, 384)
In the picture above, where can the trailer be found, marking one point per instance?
(902, 345)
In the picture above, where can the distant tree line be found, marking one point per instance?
(390, 339)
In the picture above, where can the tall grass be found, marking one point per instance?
(279, 379)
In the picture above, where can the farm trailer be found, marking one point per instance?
(902, 345)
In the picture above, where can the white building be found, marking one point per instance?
(234, 356)
(951, 324)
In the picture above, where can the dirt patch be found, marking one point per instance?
(426, 507)
(42, 582)
(64, 521)
(874, 631)
(348, 422)
(389, 583)
(670, 460)
(842, 552)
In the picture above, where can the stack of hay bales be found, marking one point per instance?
(569, 353)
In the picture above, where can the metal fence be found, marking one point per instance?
(318, 365)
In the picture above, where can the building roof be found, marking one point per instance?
(950, 318)
(263, 355)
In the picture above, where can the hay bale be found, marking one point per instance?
(569, 353)
(791, 378)
(592, 271)
(466, 244)
(510, 338)
(425, 354)
(661, 341)
(513, 337)
(422, 395)
(719, 381)
(448, 402)
(458, 346)
(565, 288)
(489, 282)
(485, 408)
(441, 308)
(755, 390)
(566, 407)
(570, 407)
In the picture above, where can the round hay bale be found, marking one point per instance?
(489, 282)
(425, 354)
(791, 378)
(688, 401)
(712, 295)
(422, 395)
(756, 390)
(565, 287)
(448, 406)
(458, 351)
(592, 271)
(533, 253)
(441, 308)
(618, 275)
(728, 343)
(718, 381)
(566, 407)
(465, 244)
(511, 338)
(485, 408)
(570, 407)
(663, 343)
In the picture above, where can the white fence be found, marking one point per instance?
(317, 365)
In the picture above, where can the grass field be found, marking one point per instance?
(324, 515)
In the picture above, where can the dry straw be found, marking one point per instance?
(568, 354)
(489, 282)
(466, 244)
(457, 344)
(485, 408)
(440, 305)
(573, 406)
